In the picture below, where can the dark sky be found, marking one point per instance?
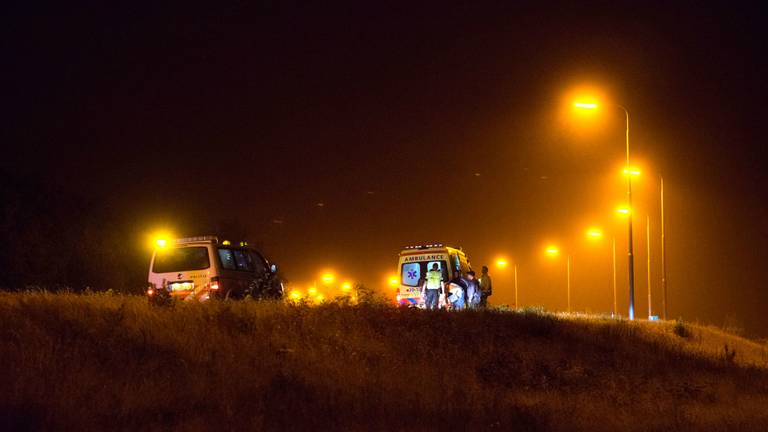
(245, 117)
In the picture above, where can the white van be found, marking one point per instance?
(416, 261)
(203, 268)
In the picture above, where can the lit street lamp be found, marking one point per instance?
(633, 171)
(630, 253)
(553, 251)
(328, 278)
(501, 264)
(595, 234)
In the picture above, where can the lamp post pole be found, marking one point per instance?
(663, 256)
(517, 305)
(615, 308)
(568, 271)
(648, 264)
(630, 252)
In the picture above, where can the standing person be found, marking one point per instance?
(433, 286)
(486, 287)
(474, 297)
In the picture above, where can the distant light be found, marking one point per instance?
(394, 281)
(243, 243)
(150, 292)
(501, 263)
(320, 297)
(346, 286)
(328, 277)
(552, 250)
(226, 243)
(631, 171)
(312, 291)
(623, 211)
(594, 233)
(161, 242)
(295, 294)
(585, 105)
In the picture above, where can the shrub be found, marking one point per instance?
(681, 329)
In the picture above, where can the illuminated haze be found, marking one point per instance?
(332, 138)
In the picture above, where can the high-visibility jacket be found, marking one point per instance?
(434, 277)
(486, 286)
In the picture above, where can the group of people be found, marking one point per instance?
(465, 291)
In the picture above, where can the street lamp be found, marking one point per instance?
(501, 264)
(328, 278)
(630, 253)
(663, 251)
(635, 172)
(553, 251)
(585, 105)
(595, 234)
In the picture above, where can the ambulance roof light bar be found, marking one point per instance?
(429, 246)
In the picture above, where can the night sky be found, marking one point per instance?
(331, 136)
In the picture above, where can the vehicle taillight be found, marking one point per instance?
(215, 283)
(150, 291)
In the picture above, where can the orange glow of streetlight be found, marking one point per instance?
(594, 233)
(552, 251)
(501, 263)
(312, 291)
(624, 211)
(394, 281)
(585, 105)
(632, 171)
(581, 108)
(328, 277)
(346, 286)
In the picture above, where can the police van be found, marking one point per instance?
(414, 263)
(204, 268)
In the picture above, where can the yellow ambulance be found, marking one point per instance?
(414, 263)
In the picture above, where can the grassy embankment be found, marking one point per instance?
(112, 362)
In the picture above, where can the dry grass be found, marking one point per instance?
(112, 362)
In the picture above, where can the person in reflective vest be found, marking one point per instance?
(433, 286)
(486, 287)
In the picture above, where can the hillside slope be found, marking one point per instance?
(113, 362)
